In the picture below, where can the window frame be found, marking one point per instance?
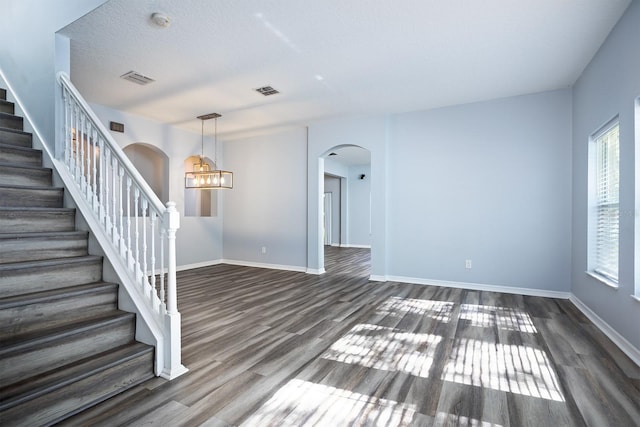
(600, 207)
(636, 242)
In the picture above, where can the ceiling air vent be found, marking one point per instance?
(267, 90)
(138, 78)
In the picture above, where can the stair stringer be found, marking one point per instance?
(149, 329)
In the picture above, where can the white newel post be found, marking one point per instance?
(172, 360)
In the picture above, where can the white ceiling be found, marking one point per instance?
(328, 58)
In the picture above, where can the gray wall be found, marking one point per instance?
(28, 52)
(490, 182)
(608, 87)
(359, 206)
(267, 206)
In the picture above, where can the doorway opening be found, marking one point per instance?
(346, 205)
(153, 165)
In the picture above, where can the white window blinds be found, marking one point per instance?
(607, 202)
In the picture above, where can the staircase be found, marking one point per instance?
(64, 345)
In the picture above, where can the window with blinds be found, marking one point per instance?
(607, 201)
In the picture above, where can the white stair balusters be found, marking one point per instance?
(135, 223)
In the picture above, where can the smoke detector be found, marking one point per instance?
(161, 20)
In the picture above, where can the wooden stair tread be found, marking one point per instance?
(52, 235)
(23, 166)
(11, 121)
(3, 129)
(55, 379)
(7, 107)
(35, 209)
(31, 187)
(16, 138)
(54, 294)
(6, 146)
(40, 338)
(48, 263)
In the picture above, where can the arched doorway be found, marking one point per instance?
(346, 202)
(153, 165)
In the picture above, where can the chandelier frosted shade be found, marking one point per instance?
(204, 178)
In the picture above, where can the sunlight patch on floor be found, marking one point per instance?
(301, 402)
(444, 419)
(513, 368)
(399, 307)
(486, 316)
(387, 349)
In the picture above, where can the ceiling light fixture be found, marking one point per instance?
(203, 177)
(161, 20)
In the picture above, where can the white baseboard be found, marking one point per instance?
(198, 265)
(377, 278)
(265, 265)
(482, 287)
(317, 271)
(247, 264)
(347, 245)
(612, 334)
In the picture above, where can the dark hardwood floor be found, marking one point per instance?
(276, 348)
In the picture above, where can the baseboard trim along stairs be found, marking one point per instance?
(64, 345)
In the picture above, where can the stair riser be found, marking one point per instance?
(29, 221)
(10, 121)
(26, 197)
(20, 156)
(71, 399)
(22, 281)
(19, 139)
(33, 249)
(29, 318)
(20, 176)
(7, 107)
(69, 349)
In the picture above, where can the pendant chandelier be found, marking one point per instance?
(203, 177)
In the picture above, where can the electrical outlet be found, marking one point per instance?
(264, 249)
(467, 263)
